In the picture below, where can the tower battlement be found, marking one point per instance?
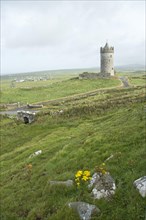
(106, 49)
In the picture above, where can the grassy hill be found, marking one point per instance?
(89, 130)
(38, 91)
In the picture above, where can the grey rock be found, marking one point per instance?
(103, 185)
(84, 210)
(35, 153)
(140, 184)
(67, 183)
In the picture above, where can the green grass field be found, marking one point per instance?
(91, 128)
(59, 86)
(51, 90)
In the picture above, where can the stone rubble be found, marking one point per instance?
(140, 184)
(84, 210)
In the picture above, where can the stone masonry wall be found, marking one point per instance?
(107, 63)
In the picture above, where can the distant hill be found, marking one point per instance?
(131, 67)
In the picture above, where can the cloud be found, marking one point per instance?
(67, 34)
(33, 27)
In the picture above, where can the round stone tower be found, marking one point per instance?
(107, 60)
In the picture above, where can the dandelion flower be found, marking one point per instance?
(86, 173)
(85, 178)
(79, 173)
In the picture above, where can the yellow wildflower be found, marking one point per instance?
(86, 173)
(79, 173)
(81, 177)
(85, 178)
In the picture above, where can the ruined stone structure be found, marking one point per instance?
(26, 116)
(86, 75)
(107, 61)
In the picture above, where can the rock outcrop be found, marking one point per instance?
(84, 210)
(103, 185)
(140, 184)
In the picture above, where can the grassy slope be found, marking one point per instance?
(69, 145)
(82, 138)
(51, 91)
(56, 88)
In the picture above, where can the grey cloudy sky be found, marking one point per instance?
(43, 35)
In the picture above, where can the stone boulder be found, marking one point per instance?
(140, 184)
(67, 183)
(84, 210)
(35, 153)
(103, 185)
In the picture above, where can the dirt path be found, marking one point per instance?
(124, 81)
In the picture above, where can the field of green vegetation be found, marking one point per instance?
(91, 128)
(29, 92)
(60, 85)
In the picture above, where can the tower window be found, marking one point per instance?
(110, 55)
